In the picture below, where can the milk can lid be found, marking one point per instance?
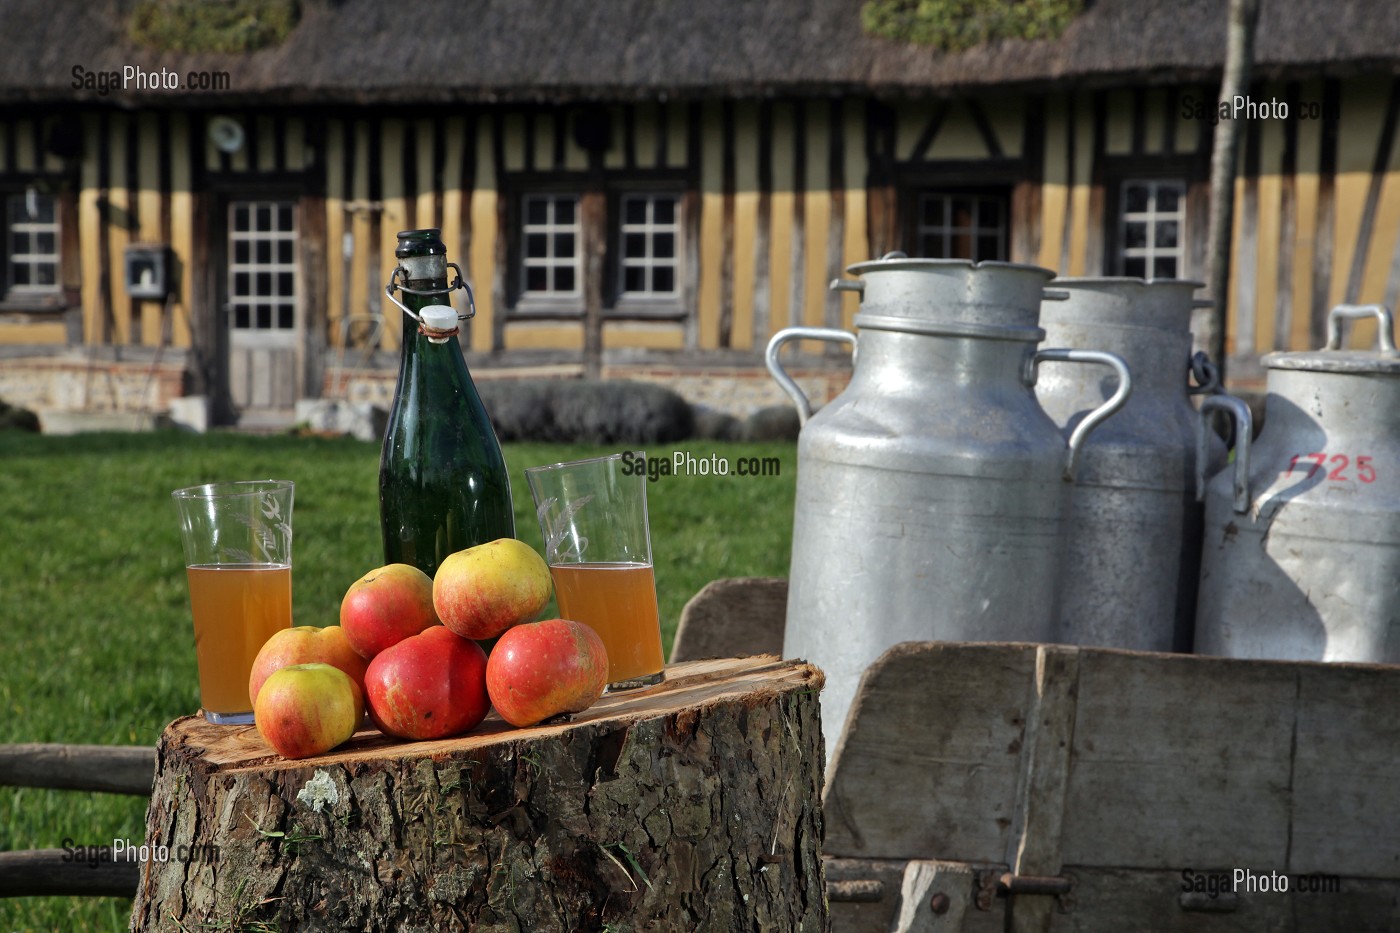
(1352, 362)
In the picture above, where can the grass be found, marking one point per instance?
(94, 610)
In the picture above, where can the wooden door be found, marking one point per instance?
(262, 297)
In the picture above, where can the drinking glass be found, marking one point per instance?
(238, 557)
(593, 516)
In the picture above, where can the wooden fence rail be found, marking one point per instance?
(113, 769)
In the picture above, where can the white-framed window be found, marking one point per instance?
(262, 269)
(1151, 218)
(31, 244)
(649, 235)
(551, 249)
(960, 225)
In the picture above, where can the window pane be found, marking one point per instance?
(240, 316)
(1168, 197)
(264, 317)
(1135, 266)
(242, 251)
(634, 245)
(1135, 235)
(265, 217)
(284, 317)
(242, 286)
(663, 246)
(663, 210)
(536, 279)
(1135, 198)
(240, 218)
(634, 210)
(634, 279)
(284, 251)
(962, 213)
(988, 213)
(563, 245)
(1164, 267)
(285, 288)
(284, 217)
(536, 211)
(663, 280)
(1165, 234)
(536, 245)
(563, 210)
(987, 248)
(264, 286)
(19, 274)
(19, 243)
(263, 251)
(45, 243)
(563, 279)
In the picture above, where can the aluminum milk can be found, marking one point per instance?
(1132, 554)
(1301, 557)
(932, 493)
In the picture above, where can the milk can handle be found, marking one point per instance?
(1244, 430)
(1384, 321)
(1095, 417)
(804, 407)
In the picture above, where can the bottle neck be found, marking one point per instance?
(422, 274)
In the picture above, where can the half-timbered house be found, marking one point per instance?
(644, 188)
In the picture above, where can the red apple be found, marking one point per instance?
(308, 709)
(385, 606)
(484, 590)
(305, 644)
(542, 669)
(428, 686)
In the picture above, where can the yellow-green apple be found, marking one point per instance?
(308, 709)
(484, 590)
(428, 686)
(542, 669)
(305, 644)
(385, 606)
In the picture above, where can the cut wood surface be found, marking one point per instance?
(690, 805)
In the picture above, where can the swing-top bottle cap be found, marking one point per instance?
(439, 322)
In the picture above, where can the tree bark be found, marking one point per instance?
(1239, 56)
(694, 805)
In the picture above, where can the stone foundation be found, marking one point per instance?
(71, 383)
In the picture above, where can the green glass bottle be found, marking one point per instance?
(443, 485)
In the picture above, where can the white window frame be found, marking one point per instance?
(550, 262)
(649, 229)
(948, 232)
(1152, 217)
(30, 258)
(252, 268)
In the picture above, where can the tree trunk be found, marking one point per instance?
(1239, 56)
(693, 805)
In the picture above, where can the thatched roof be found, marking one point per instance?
(428, 51)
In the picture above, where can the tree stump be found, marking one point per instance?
(692, 805)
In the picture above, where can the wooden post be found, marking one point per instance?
(693, 805)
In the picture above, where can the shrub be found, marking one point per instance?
(775, 423)
(14, 418)
(580, 411)
(712, 425)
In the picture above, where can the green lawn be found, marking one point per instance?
(94, 613)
